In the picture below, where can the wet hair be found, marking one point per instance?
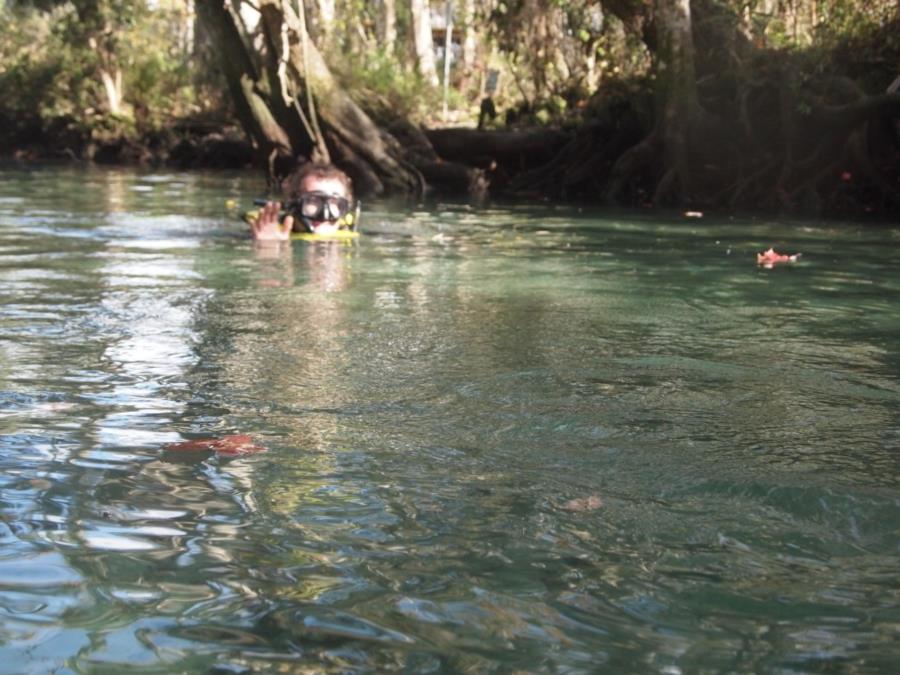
(318, 170)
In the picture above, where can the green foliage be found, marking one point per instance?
(54, 57)
(38, 79)
(553, 57)
(384, 89)
(840, 20)
(830, 37)
(558, 53)
(811, 23)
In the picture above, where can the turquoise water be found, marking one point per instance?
(497, 440)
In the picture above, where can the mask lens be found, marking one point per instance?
(316, 206)
(311, 206)
(337, 207)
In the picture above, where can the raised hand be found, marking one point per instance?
(266, 226)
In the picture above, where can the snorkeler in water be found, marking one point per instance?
(320, 202)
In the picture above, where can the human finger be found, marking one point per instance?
(255, 223)
(272, 209)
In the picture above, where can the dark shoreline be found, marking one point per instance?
(229, 150)
(221, 148)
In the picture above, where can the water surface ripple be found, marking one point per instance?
(498, 439)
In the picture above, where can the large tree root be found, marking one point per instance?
(628, 165)
(862, 162)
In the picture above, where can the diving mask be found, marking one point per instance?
(319, 207)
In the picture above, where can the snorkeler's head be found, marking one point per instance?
(312, 176)
(320, 196)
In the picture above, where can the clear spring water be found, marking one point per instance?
(498, 440)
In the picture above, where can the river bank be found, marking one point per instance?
(187, 146)
(207, 145)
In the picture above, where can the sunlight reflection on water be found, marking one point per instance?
(500, 439)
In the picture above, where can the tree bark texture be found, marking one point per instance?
(244, 82)
(470, 38)
(677, 80)
(294, 105)
(423, 40)
(387, 25)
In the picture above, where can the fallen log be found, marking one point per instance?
(513, 151)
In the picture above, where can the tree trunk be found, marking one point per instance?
(470, 40)
(677, 114)
(387, 26)
(423, 41)
(326, 17)
(677, 78)
(511, 151)
(297, 109)
(266, 134)
(185, 36)
(112, 85)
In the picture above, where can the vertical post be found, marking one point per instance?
(448, 44)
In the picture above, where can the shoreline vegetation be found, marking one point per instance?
(702, 105)
(212, 145)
